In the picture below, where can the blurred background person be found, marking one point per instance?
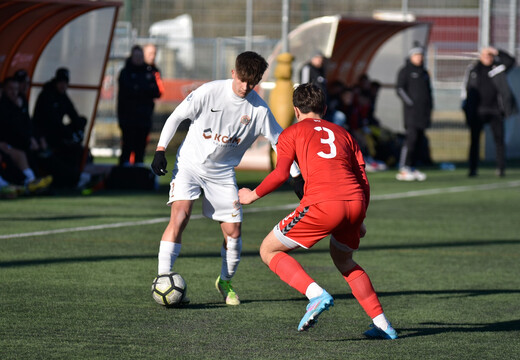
(59, 125)
(17, 141)
(137, 90)
(150, 53)
(414, 89)
(487, 98)
(314, 72)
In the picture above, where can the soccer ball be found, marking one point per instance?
(169, 289)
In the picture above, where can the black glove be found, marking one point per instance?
(297, 183)
(159, 163)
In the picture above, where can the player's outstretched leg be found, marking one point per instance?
(226, 290)
(316, 306)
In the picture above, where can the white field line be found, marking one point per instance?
(408, 194)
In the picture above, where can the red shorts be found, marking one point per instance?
(307, 225)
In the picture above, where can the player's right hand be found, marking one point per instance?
(159, 163)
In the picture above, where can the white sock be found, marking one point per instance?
(29, 175)
(381, 321)
(230, 257)
(168, 253)
(313, 290)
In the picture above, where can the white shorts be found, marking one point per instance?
(220, 201)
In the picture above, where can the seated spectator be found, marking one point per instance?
(17, 142)
(59, 125)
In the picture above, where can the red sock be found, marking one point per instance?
(363, 291)
(290, 271)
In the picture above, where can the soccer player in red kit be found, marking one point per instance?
(335, 200)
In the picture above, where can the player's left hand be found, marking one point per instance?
(247, 196)
(159, 163)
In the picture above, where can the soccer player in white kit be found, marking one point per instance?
(226, 118)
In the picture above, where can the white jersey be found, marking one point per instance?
(223, 126)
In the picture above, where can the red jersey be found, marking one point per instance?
(329, 158)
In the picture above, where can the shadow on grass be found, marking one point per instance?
(434, 328)
(216, 253)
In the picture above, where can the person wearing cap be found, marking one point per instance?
(414, 90)
(138, 88)
(58, 123)
(313, 72)
(487, 98)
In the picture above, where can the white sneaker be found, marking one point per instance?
(419, 176)
(405, 174)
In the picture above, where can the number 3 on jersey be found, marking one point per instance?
(329, 141)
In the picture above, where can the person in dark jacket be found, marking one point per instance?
(17, 143)
(487, 98)
(58, 124)
(313, 72)
(414, 89)
(137, 90)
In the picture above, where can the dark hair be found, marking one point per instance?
(62, 74)
(136, 47)
(309, 98)
(250, 67)
(8, 80)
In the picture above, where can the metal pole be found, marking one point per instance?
(485, 19)
(513, 8)
(285, 26)
(249, 25)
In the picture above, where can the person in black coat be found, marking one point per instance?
(314, 72)
(414, 89)
(17, 143)
(487, 98)
(61, 128)
(137, 90)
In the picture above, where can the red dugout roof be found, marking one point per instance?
(27, 26)
(351, 44)
(41, 36)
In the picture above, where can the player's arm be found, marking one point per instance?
(182, 112)
(271, 182)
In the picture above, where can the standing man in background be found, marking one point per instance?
(314, 72)
(150, 53)
(138, 89)
(414, 89)
(487, 98)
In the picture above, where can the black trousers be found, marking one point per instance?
(497, 128)
(134, 139)
(415, 143)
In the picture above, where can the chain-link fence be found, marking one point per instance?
(210, 34)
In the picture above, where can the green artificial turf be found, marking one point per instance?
(443, 255)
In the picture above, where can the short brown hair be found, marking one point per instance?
(250, 67)
(309, 98)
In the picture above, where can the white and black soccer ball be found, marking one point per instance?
(169, 289)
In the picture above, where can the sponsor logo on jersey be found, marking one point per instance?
(221, 139)
(245, 119)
